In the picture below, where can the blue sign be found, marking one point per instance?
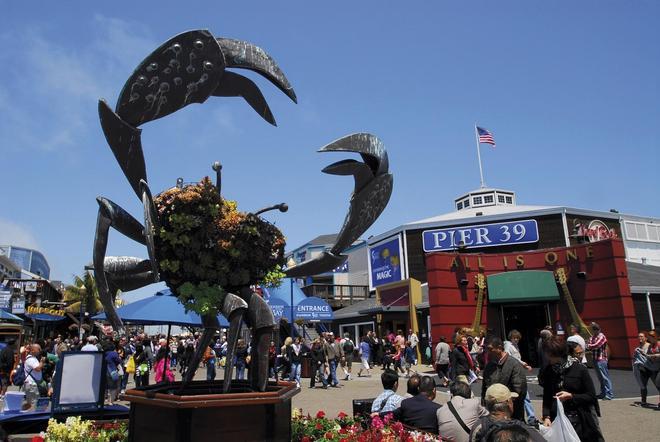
(485, 235)
(280, 308)
(385, 263)
(314, 309)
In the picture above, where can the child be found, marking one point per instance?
(409, 357)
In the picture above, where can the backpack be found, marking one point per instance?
(19, 375)
(348, 346)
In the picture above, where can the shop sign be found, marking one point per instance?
(30, 286)
(35, 310)
(314, 309)
(5, 300)
(18, 305)
(595, 231)
(485, 235)
(385, 262)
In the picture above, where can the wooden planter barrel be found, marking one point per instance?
(200, 412)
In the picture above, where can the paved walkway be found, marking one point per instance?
(620, 421)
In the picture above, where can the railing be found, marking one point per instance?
(338, 295)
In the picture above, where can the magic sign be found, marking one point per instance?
(485, 235)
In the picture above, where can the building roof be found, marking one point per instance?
(353, 310)
(323, 240)
(643, 278)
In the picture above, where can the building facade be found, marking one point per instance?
(28, 259)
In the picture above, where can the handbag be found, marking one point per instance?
(130, 365)
(562, 427)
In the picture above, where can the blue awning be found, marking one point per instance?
(307, 308)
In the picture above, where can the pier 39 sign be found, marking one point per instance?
(485, 235)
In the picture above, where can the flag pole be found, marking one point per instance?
(481, 172)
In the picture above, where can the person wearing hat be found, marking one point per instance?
(498, 400)
(598, 345)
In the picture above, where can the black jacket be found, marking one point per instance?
(419, 412)
(510, 373)
(459, 362)
(584, 405)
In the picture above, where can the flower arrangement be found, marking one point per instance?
(206, 247)
(74, 429)
(346, 429)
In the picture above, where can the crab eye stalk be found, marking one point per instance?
(179, 183)
(218, 175)
(282, 207)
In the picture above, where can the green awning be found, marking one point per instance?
(525, 285)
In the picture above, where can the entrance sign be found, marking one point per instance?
(484, 235)
(314, 309)
(385, 262)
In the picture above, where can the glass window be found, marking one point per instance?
(459, 205)
(477, 200)
(500, 198)
(641, 231)
(488, 199)
(509, 200)
(466, 203)
(654, 232)
(631, 231)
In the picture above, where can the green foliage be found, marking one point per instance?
(206, 247)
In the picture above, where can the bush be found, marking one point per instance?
(77, 430)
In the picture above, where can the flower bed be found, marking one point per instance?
(305, 428)
(77, 430)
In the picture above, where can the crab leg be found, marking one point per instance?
(210, 323)
(234, 309)
(111, 215)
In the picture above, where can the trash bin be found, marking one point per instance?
(362, 407)
(306, 367)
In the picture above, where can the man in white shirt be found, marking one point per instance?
(33, 366)
(91, 344)
(575, 337)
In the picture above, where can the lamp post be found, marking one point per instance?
(291, 306)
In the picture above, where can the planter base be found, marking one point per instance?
(200, 412)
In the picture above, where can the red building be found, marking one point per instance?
(524, 289)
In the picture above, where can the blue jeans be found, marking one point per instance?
(295, 372)
(333, 373)
(210, 369)
(240, 370)
(604, 379)
(529, 408)
(124, 381)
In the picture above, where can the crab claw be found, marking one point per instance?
(244, 55)
(373, 188)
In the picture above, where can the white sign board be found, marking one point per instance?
(80, 378)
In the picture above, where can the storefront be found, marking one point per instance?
(529, 290)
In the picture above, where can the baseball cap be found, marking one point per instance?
(499, 393)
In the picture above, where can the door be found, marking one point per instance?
(528, 319)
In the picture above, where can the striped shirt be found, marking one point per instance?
(598, 345)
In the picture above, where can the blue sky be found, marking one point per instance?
(569, 89)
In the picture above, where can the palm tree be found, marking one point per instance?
(83, 290)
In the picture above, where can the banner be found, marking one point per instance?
(385, 263)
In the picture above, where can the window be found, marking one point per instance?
(459, 205)
(476, 200)
(500, 199)
(466, 203)
(509, 200)
(488, 199)
(639, 231)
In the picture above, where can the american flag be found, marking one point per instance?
(485, 136)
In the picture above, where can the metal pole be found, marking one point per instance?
(481, 172)
(292, 325)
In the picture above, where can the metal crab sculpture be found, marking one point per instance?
(189, 68)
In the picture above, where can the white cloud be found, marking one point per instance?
(16, 235)
(49, 90)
